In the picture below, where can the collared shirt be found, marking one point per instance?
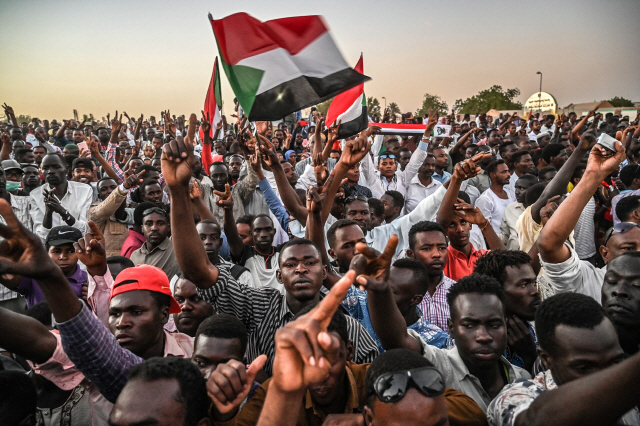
(132, 243)
(492, 206)
(356, 304)
(264, 310)
(436, 308)
(517, 397)
(32, 293)
(458, 265)
(20, 207)
(87, 353)
(357, 190)
(76, 201)
(162, 256)
(508, 233)
(442, 178)
(456, 374)
(102, 214)
(461, 409)
(417, 192)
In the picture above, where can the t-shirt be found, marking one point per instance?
(263, 268)
(492, 206)
(32, 293)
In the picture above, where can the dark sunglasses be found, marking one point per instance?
(623, 227)
(158, 210)
(392, 387)
(352, 198)
(383, 156)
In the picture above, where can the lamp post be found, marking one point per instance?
(385, 105)
(540, 94)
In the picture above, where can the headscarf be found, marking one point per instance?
(288, 153)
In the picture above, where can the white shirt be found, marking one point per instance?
(418, 192)
(508, 233)
(76, 201)
(492, 206)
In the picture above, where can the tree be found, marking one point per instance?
(492, 98)
(394, 109)
(432, 102)
(23, 119)
(88, 118)
(373, 106)
(323, 107)
(619, 101)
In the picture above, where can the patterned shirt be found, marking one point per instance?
(356, 303)
(20, 207)
(436, 308)
(357, 190)
(513, 356)
(111, 159)
(518, 397)
(264, 310)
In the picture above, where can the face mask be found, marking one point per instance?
(12, 186)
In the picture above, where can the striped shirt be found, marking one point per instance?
(264, 310)
(21, 208)
(435, 308)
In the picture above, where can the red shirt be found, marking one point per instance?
(458, 265)
(134, 241)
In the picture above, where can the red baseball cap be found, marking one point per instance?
(145, 277)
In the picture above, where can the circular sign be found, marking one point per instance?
(541, 101)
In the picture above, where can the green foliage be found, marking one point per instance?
(23, 119)
(373, 106)
(432, 102)
(619, 101)
(88, 118)
(394, 109)
(323, 107)
(492, 98)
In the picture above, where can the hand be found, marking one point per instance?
(603, 162)
(355, 150)
(84, 153)
(5, 138)
(52, 203)
(372, 267)
(178, 161)
(8, 111)
(593, 111)
(373, 130)
(90, 251)
(262, 127)
(586, 144)
(305, 351)
(520, 339)
(196, 191)
(131, 179)
(22, 252)
(470, 213)
(332, 134)
(205, 124)
(93, 144)
(226, 199)
(255, 161)
(268, 153)
(468, 168)
(230, 383)
(320, 170)
(126, 115)
(140, 119)
(315, 199)
(116, 124)
(547, 211)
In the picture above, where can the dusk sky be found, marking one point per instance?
(146, 56)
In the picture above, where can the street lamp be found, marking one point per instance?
(385, 105)
(540, 94)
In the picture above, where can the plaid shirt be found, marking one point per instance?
(111, 159)
(435, 308)
(21, 207)
(96, 353)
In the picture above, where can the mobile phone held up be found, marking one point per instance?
(607, 141)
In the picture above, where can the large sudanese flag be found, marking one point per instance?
(350, 108)
(281, 66)
(213, 100)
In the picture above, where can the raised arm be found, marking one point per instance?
(551, 241)
(558, 185)
(8, 112)
(136, 130)
(315, 232)
(474, 216)
(576, 130)
(178, 163)
(236, 246)
(463, 139)
(506, 123)
(94, 148)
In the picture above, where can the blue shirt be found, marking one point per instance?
(355, 303)
(443, 177)
(31, 291)
(513, 357)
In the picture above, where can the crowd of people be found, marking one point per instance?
(192, 271)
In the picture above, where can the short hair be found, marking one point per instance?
(626, 206)
(223, 326)
(247, 219)
(493, 166)
(423, 226)
(474, 149)
(402, 149)
(40, 312)
(391, 361)
(146, 168)
(545, 170)
(515, 158)
(571, 309)
(504, 145)
(475, 283)
(297, 242)
(552, 150)
(533, 193)
(143, 186)
(338, 322)
(398, 199)
(376, 207)
(137, 212)
(339, 224)
(71, 147)
(193, 388)
(22, 151)
(18, 397)
(627, 174)
(259, 216)
(494, 264)
(420, 275)
(123, 261)
(337, 151)
(219, 163)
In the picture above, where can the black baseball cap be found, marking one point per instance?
(83, 162)
(60, 235)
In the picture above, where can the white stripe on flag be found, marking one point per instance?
(353, 112)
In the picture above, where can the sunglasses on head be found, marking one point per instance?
(157, 210)
(353, 198)
(623, 227)
(383, 156)
(392, 387)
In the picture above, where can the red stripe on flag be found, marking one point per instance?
(345, 100)
(210, 102)
(241, 35)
